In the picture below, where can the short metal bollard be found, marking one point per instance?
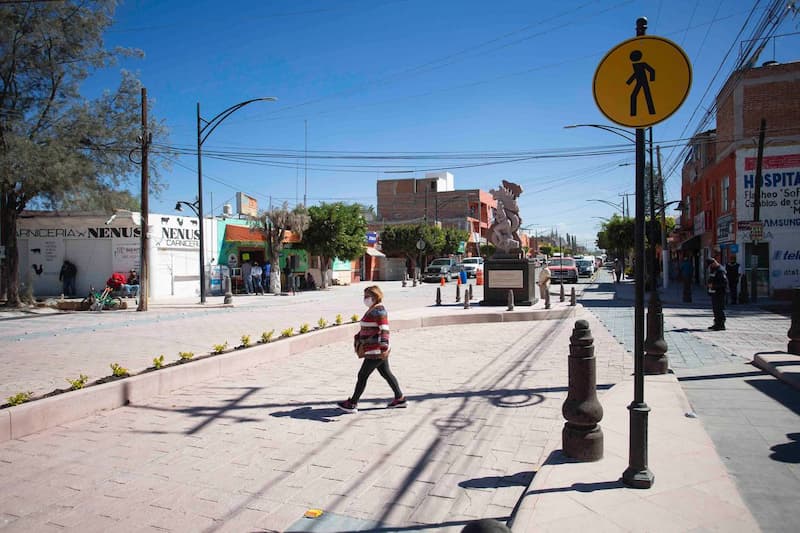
(510, 300)
(470, 291)
(438, 296)
(466, 300)
(572, 301)
(561, 290)
(228, 294)
(547, 298)
(458, 293)
(405, 279)
(794, 330)
(582, 437)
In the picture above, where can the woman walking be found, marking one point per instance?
(372, 344)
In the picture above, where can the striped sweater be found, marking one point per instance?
(374, 333)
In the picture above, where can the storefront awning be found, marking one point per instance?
(243, 234)
(692, 243)
(375, 253)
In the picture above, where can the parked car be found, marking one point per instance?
(471, 265)
(443, 267)
(563, 269)
(585, 267)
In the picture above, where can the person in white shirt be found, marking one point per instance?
(255, 278)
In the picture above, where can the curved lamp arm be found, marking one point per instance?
(625, 134)
(615, 206)
(212, 124)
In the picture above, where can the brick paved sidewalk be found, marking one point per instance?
(258, 449)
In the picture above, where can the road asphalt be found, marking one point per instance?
(256, 448)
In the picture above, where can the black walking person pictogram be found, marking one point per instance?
(640, 71)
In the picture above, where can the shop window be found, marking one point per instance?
(726, 184)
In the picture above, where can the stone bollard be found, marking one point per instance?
(228, 294)
(458, 293)
(794, 330)
(561, 290)
(582, 437)
(510, 300)
(414, 283)
(466, 299)
(572, 301)
(405, 279)
(655, 347)
(438, 296)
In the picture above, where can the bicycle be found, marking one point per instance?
(97, 301)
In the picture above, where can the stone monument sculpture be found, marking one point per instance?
(508, 273)
(506, 221)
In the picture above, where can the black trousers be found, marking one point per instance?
(733, 285)
(367, 368)
(718, 305)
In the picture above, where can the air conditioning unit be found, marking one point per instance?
(227, 210)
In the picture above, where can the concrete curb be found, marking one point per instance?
(784, 366)
(38, 415)
(565, 494)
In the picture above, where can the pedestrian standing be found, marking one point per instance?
(247, 270)
(371, 344)
(544, 283)
(255, 276)
(733, 272)
(717, 285)
(289, 274)
(687, 276)
(618, 269)
(67, 277)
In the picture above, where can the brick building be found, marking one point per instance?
(434, 199)
(718, 179)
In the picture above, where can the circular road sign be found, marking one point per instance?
(642, 81)
(421, 245)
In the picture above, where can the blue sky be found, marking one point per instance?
(418, 77)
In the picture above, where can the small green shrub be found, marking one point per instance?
(219, 348)
(304, 328)
(78, 383)
(118, 371)
(354, 318)
(245, 340)
(338, 320)
(288, 332)
(158, 362)
(322, 323)
(20, 398)
(185, 356)
(267, 336)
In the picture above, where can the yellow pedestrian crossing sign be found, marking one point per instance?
(642, 81)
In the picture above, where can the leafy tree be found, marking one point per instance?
(274, 223)
(453, 237)
(55, 144)
(488, 250)
(335, 230)
(546, 249)
(617, 235)
(401, 240)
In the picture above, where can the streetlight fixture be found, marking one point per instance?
(622, 132)
(621, 206)
(193, 206)
(204, 129)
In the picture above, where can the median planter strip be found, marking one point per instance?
(112, 392)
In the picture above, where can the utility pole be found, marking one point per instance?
(757, 213)
(144, 243)
(305, 178)
(664, 251)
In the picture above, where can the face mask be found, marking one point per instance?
(368, 301)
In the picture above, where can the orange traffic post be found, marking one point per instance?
(441, 281)
(479, 277)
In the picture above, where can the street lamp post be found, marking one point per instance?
(621, 207)
(204, 129)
